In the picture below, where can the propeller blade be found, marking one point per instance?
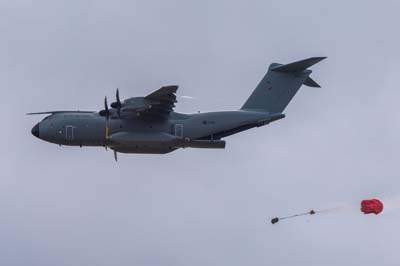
(115, 156)
(107, 112)
(117, 96)
(118, 104)
(107, 115)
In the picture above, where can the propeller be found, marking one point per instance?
(117, 104)
(105, 112)
(107, 115)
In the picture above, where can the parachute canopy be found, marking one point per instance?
(371, 206)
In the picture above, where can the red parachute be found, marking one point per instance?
(371, 206)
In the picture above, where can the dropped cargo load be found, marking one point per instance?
(367, 206)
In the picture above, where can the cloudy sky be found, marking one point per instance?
(339, 144)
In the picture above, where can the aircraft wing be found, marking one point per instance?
(157, 105)
(162, 101)
(58, 112)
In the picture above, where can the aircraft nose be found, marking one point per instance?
(35, 130)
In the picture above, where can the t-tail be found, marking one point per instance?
(280, 84)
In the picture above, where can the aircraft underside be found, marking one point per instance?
(145, 149)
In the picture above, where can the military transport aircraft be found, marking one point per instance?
(149, 124)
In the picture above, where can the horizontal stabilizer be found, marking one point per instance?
(311, 83)
(298, 66)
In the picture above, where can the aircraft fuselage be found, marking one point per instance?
(202, 130)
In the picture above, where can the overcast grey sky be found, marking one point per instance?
(337, 145)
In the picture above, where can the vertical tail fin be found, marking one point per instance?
(280, 84)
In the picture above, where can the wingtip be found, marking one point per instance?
(319, 58)
(296, 66)
(37, 113)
